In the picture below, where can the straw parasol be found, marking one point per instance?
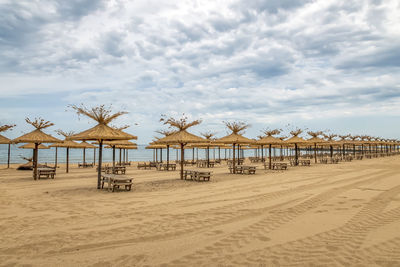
(67, 144)
(101, 132)
(86, 145)
(115, 144)
(315, 140)
(37, 137)
(5, 140)
(270, 140)
(331, 142)
(32, 146)
(180, 136)
(165, 133)
(235, 138)
(296, 140)
(208, 136)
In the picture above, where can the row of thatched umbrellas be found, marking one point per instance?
(102, 133)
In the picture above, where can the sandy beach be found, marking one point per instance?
(324, 215)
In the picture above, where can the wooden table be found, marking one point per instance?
(117, 169)
(46, 172)
(304, 162)
(279, 166)
(115, 181)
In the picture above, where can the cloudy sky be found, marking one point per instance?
(324, 64)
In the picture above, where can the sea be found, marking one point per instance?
(141, 154)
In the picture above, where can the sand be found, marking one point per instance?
(331, 215)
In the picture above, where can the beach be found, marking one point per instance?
(345, 214)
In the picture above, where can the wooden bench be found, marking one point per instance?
(196, 175)
(249, 170)
(85, 165)
(115, 181)
(279, 166)
(143, 166)
(46, 172)
(304, 162)
(202, 176)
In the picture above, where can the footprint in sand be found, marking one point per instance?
(264, 238)
(320, 211)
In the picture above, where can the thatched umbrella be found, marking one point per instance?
(165, 133)
(208, 136)
(180, 136)
(115, 145)
(235, 138)
(101, 132)
(86, 145)
(37, 137)
(295, 140)
(270, 140)
(5, 140)
(67, 144)
(331, 142)
(122, 146)
(315, 140)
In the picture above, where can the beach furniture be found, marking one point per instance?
(116, 181)
(197, 175)
(85, 165)
(304, 162)
(242, 169)
(46, 172)
(278, 166)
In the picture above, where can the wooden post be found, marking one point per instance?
(67, 170)
(99, 165)
(94, 156)
(9, 152)
(84, 155)
(35, 160)
(233, 155)
(315, 152)
(296, 156)
(113, 168)
(56, 157)
(168, 156)
(120, 158)
(270, 158)
(182, 159)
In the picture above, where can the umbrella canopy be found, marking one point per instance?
(234, 138)
(296, 140)
(85, 144)
(102, 132)
(36, 137)
(4, 140)
(181, 137)
(32, 146)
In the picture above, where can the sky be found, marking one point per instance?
(319, 65)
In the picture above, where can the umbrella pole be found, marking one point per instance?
(8, 159)
(94, 156)
(120, 157)
(167, 157)
(208, 157)
(113, 169)
(233, 156)
(84, 156)
(331, 151)
(127, 155)
(296, 155)
(219, 153)
(192, 154)
(182, 159)
(35, 160)
(55, 161)
(99, 165)
(270, 158)
(67, 169)
(315, 153)
(262, 154)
